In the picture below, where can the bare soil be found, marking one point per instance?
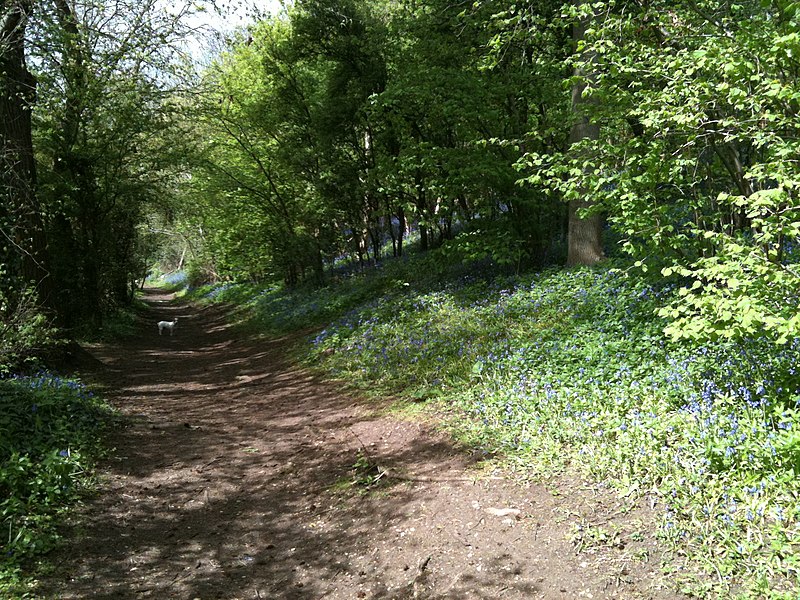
(240, 475)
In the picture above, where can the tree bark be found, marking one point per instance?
(584, 234)
(17, 162)
(401, 229)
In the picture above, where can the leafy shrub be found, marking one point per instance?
(24, 331)
(50, 430)
(197, 274)
(119, 323)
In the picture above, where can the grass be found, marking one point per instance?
(50, 435)
(277, 310)
(571, 370)
(174, 281)
(122, 323)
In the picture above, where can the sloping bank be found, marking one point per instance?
(571, 370)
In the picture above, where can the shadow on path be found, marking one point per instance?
(232, 480)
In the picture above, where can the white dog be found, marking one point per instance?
(162, 325)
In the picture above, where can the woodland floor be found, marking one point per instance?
(230, 480)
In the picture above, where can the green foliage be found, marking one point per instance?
(25, 333)
(572, 370)
(104, 131)
(124, 322)
(50, 431)
(256, 174)
(338, 126)
(694, 166)
(737, 293)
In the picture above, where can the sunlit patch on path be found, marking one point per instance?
(241, 475)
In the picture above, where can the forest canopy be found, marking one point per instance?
(336, 133)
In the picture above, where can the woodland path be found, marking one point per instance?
(227, 482)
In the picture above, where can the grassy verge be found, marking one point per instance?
(50, 434)
(570, 369)
(277, 310)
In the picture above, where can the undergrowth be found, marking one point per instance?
(121, 323)
(571, 369)
(50, 434)
(275, 309)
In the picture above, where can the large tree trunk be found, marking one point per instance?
(17, 163)
(584, 234)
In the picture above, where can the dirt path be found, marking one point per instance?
(229, 483)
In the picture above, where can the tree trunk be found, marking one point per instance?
(584, 234)
(17, 162)
(375, 240)
(390, 227)
(401, 229)
(421, 202)
(319, 264)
